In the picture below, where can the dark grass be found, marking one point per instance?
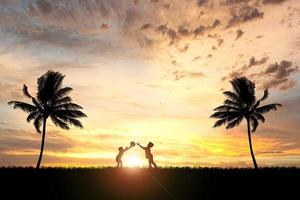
(155, 184)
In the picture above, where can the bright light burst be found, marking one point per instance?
(132, 161)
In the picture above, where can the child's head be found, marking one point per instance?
(150, 144)
(120, 148)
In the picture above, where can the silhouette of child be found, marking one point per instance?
(119, 156)
(148, 154)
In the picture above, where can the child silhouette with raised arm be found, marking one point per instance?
(148, 154)
(120, 154)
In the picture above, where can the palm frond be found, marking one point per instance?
(67, 106)
(232, 103)
(227, 119)
(23, 106)
(59, 122)
(226, 108)
(224, 114)
(232, 96)
(259, 117)
(75, 122)
(25, 91)
(267, 108)
(48, 85)
(69, 113)
(38, 122)
(265, 96)
(220, 122)
(37, 104)
(245, 90)
(254, 123)
(63, 100)
(32, 116)
(234, 122)
(70, 120)
(63, 91)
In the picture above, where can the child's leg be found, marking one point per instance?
(152, 162)
(149, 162)
(121, 164)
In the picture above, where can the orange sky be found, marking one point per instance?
(151, 71)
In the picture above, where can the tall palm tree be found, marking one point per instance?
(51, 101)
(242, 103)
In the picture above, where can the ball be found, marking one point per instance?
(132, 144)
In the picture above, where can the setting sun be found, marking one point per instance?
(132, 161)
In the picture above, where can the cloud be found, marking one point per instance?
(167, 6)
(233, 74)
(239, 34)
(220, 42)
(280, 84)
(199, 30)
(209, 56)
(184, 49)
(234, 2)
(182, 31)
(273, 1)
(281, 70)
(273, 76)
(147, 42)
(104, 27)
(196, 58)
(169, 32)
(247, 2)
(243, 14)
(202, 2)
(214, 36)
(73, 27)
(278, 75)
(216, 23)
(44, 6)
(172, 36)
(24, 141)
(174, 62)
(162, 28)
(146, 26)
(253, 61)
(185, 74)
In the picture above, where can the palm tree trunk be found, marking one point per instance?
(250, 144)
(42, 145)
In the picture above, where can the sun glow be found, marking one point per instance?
(132, 161)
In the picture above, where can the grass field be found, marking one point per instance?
(155, 184)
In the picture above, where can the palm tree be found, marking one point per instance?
(242, 103)
(51, 101)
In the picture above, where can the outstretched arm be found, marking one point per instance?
(141, 146)
(126, 148)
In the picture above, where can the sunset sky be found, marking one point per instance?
(151, 70)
